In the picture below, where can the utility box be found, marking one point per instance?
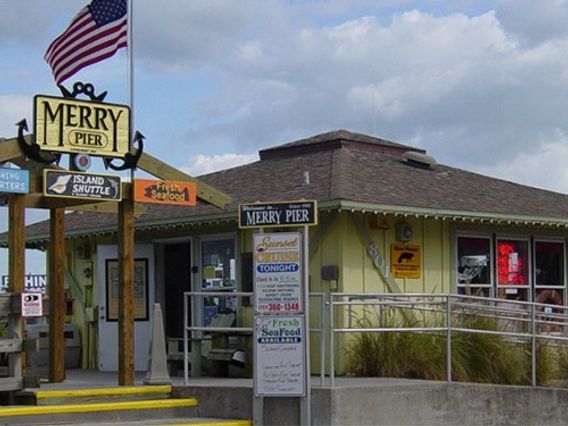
(41, 357)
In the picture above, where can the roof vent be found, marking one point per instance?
(418, 159)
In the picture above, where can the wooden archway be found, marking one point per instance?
(127, 210)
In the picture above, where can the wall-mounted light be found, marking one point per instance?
(330, 273)
(403, 232)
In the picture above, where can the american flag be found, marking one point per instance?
(96, 33)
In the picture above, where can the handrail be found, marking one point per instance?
(193, 333)
(521, 320)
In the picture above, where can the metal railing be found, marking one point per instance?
(340, 314)
(194, 331)
(445, 314)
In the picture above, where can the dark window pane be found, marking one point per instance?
(549, 263)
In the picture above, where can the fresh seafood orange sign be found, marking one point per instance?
(165, 192)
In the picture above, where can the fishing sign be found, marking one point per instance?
(165, 192)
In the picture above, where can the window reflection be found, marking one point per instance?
(218, 274)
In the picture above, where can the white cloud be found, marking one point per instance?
(13, 108)
(545, 168)
(203, 164)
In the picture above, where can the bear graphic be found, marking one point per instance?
(407, 256)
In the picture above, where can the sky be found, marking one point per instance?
(481, 85)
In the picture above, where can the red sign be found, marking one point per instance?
(165, 192)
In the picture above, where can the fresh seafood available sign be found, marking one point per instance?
(279, 355)
(79, 185)
(278, 273)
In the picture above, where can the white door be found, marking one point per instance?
(107, 291)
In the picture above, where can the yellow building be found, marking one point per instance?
(391, 219)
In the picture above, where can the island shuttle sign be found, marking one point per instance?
(76, 126)
(278, 214)
(78, 185)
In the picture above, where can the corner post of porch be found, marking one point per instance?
(126, 288)
(56, 295)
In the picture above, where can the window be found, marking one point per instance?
(517, 268)
(549, 273)
(549, 263)
(474, 260)
(218, 272)
(512, 263)
(474, 265)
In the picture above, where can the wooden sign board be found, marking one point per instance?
(76, 126)
(165, 192)
(278, 214)
(79, 185)
(405, 260)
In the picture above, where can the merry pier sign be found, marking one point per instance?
(75, 126)
(277, 214)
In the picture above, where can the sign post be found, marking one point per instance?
(281, 301)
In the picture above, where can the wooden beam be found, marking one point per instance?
(162, 170)
(107, 207)
(126, 291)
(56, 292)
(16, 274)
(9, 150)
(37, 200)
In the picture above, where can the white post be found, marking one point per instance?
(305, 406)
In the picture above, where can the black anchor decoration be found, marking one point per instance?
(130, 161)
(32, 151)
(85, 88)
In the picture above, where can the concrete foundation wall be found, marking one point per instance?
(395, 402)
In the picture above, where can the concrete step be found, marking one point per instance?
(92, 395)
(195, 421)
(100, 412)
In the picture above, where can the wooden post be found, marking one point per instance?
(56, 293)
(16, 273)
(126, 289)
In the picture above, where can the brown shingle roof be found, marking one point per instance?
(345, 172)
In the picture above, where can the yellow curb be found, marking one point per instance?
(123, 390)
(105, 406)
(215, 423)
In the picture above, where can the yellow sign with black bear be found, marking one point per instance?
(405, 260)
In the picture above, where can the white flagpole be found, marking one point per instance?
(130, 26)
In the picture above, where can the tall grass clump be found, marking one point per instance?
(476, 356)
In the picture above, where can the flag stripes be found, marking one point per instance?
(96, 33)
